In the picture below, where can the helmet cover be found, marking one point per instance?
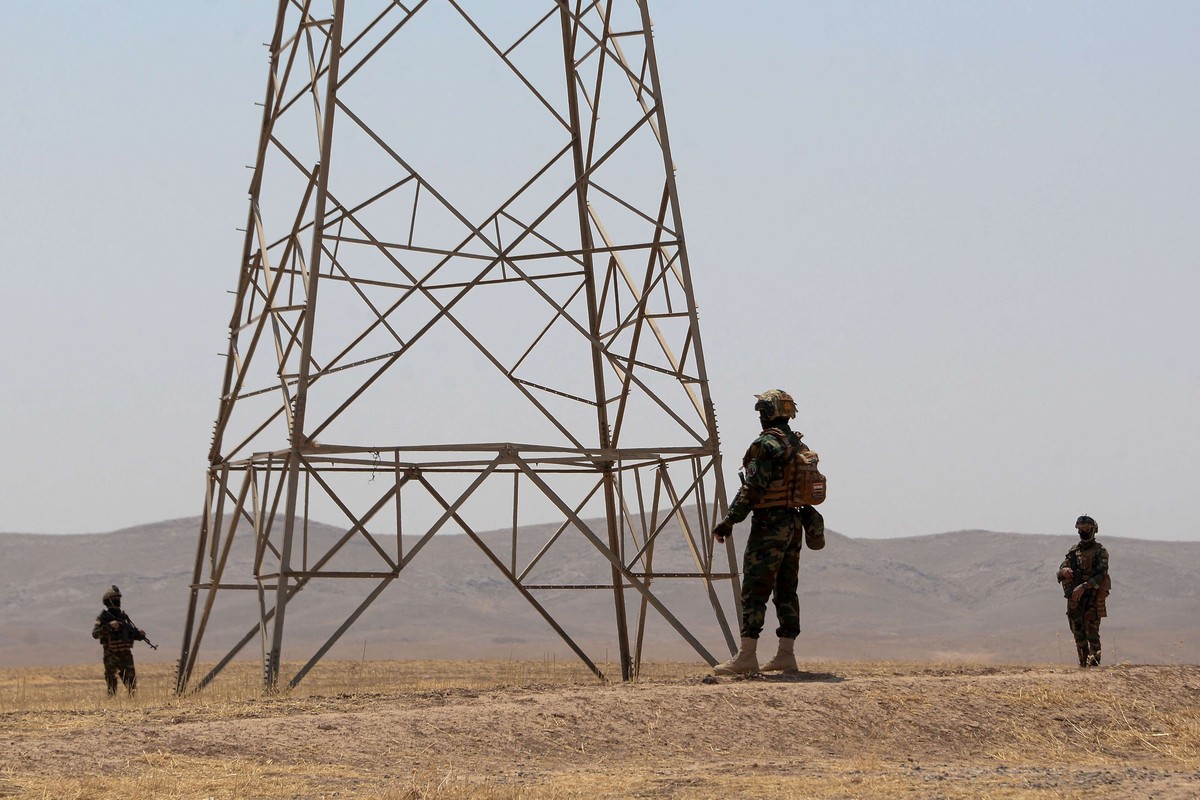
(775, 403)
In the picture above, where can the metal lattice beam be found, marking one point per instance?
(570, 292)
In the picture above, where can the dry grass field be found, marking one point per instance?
(503, 730)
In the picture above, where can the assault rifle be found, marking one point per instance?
(1085, 599)
(128, 629)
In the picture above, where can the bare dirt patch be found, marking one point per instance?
(508, 730)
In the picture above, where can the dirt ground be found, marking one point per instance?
(483, 730)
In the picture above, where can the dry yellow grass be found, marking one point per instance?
(513, 730)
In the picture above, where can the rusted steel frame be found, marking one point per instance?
(476, 233)
(263, 528)
(537, 339)
(336, 219)
(550, 390)
(662, 340)
(675, 508)
(444, 311)
(512, 579)
(631, 208)
(282, 354)
(268, 311)
(293, 43)
(599, 40)
(345, 626)
(556, 249)
(696, 550)
(409, 15)
(527, 33)
(583, 167)
(588, 454)
(504, 57)
(298, 437)
(228, 458)
(652, 395)
(640, 636)
(638, 84)
(585, 250)
(616, 562)
(638, 526)
(320, 573)
(217, 570)
(506, 258)
(515, 519)
(648, 543)
(638, 311)
(313, 63)
(400, 481)
(244, 278)
(595, 116)
(702, 513)
(533, 562)
(359, 525)
(432, 287)
(363, 296)
(182, 671)
(291, 592)
(686, 279)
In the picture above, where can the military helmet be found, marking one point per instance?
(775, 403)
(1086, 526)
(112, 595)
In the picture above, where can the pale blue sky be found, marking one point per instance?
(974, 226)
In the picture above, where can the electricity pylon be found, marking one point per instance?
(484, 198)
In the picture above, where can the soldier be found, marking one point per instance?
(1083, 575)
(117, 633)
(771, 469)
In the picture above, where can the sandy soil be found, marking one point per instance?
(866, 730)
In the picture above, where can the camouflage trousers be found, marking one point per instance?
(119, 664)
(771, 566)
(1085, 627)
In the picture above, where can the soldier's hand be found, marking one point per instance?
(1065, 574)
(1078, 593)
(115, 625)
(722, 529)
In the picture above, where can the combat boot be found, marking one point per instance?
(1082, 649)
(744, 663)
(785, 659)
(1094, 658)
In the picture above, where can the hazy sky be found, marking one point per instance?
(964, 236)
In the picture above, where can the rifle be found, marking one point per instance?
(1085, 600)
(128, 628)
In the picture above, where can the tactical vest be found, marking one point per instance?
(799, 484)
(120, 640)
(1086, 559)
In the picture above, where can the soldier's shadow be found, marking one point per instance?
(799, 676)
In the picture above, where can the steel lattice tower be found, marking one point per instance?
(505, 326)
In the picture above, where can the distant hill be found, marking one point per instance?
(970, 595)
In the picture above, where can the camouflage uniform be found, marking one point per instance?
(1088, 562)
(771, 562)
(118, 648)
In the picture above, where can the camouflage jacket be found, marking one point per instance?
(1090, 566)
(120, 639)
(763, 463)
